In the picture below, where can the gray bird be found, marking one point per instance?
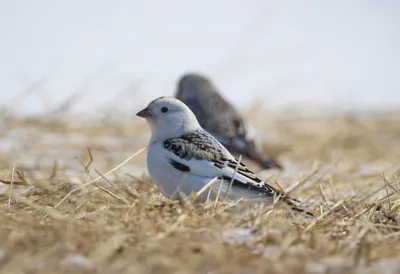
(221, 119)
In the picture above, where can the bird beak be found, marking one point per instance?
(144, 113)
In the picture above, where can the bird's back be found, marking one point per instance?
(213, 112)
(220, 118)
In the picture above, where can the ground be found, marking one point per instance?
(76, 198)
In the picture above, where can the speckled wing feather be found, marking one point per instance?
(198, 152)
(201, 146)
(219, 118)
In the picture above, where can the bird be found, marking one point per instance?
(183, 158)
(221, 119)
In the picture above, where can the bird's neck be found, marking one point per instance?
(161, 136)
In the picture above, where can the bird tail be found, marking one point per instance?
(264, 161)
(268, 163)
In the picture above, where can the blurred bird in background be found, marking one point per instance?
(221, 119)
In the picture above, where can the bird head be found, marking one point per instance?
(168, 118)
(191, 85)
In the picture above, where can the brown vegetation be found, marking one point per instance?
(70, 204)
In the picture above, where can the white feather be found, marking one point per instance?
(176, 121)
(183, 158)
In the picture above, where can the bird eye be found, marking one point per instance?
(164, 109)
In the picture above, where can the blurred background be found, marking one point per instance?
(87, 55)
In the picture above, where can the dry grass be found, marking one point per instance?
(65, 209)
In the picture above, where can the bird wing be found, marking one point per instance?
(203, 155)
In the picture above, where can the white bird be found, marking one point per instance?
(221, 119)
(183, 158)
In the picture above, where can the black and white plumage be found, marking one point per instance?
(221, 119)
(183, 157)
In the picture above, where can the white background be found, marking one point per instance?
(338, 53)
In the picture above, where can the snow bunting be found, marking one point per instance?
(183, 158)
(221, 119)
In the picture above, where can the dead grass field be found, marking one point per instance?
(68, 209)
